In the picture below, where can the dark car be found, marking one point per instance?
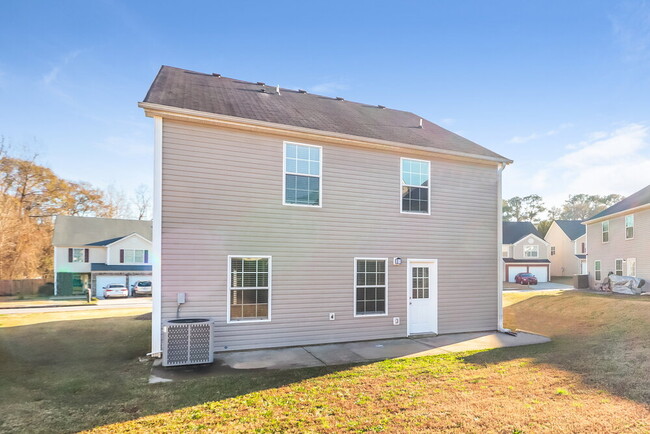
(526, 279)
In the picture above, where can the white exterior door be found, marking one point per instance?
(513, 271)
(631, 267)
(540, 272)
(583, 267)
(422, 286)
(102, 281)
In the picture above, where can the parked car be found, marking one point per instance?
(116, 290)
(526, 279)
(142, 287)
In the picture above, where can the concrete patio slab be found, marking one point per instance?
(345, 353)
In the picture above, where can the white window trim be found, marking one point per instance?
(285, 173)
(354, 288)
(553, 251)
(602, 231)
(137, 263)
(401, 184)
(625, 226)
(536, 250)
(622, 266)
(599, 270)
(229, 289)
(83, 255)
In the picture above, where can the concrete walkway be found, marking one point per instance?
(118, 303)
(346, 353)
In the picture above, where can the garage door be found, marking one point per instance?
(102, 281)
(540, 272)
(513, 271)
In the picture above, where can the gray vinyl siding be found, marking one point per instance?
(618, 247)
(518, 249)
(222, 195)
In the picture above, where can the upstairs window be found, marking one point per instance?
(249, 288)
(302, 174)
(134, 256)
(583, 248)
(531, 251)
(629, 227)
(415, 176)
(552, 250)
(597, 274)
(605, 227)
(77, 255)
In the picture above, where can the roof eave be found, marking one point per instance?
(152, 110)
(617, 214)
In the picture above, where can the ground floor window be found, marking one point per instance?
(597, 274)
(370, 286)
(249, 288)
(618, 267)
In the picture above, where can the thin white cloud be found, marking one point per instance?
(127, 146)
(328, 87)
(606, 162)
(447, 121)
(631, 29)
(51, 76)
(536, 135)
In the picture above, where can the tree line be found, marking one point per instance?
(31, 195)
(577, 207)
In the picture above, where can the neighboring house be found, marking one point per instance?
(618, 239)
(92, 252)
(291, 219)
(568, 252)
(524, 251)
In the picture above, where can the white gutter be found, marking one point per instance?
(56, 272)
(500, 249)
(156, 277)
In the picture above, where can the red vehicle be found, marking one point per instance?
(526, 279)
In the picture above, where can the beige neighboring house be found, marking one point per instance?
(568, 250)
(289, 218)
(524, 251)
(92, 252)
(618, 239)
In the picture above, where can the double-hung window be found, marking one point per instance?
(629, 227)
(618, 267)
(415, 180)
(249, 288)
(370, 286)
(78, 255)
(302, 174)
(552, 250)
(135, 256)
(597, 274)
(531, 251)
(605, 228)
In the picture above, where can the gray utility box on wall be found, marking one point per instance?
(187, 341)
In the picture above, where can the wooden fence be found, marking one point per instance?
(24, 286)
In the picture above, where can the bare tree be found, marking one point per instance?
(117, 203)
(142, 201)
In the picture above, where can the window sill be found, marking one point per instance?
(247, 321)
(371, 315)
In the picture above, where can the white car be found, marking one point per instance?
(116, 290)
(142, 287)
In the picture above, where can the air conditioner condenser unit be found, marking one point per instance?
(187, 341)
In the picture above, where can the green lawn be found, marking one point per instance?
(67, 375)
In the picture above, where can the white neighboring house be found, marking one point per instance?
(524, 251)
(568, 241)
(92, 252)
(618, 239)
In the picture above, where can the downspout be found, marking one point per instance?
(500, 249)
(156, 281)
(56, 274)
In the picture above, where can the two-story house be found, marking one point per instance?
(290, 218)
(524, 251)
(91, 252)
(568, 242)
(618, 239)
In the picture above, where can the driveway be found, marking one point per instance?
(118, 303)
(544, 286)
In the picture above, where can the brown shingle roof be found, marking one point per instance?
(227, 96)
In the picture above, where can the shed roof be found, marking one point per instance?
(72, 231)
(181, 88)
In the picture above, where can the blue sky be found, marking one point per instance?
(561, 87)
